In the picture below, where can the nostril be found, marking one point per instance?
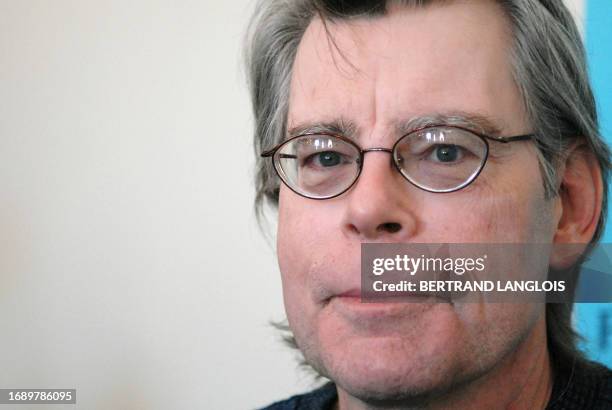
(390, 227)
(353, 229)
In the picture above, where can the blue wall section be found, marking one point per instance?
(595, 320)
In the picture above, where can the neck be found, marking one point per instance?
(522, 380)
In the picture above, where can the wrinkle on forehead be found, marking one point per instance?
(359, 68)
(344, 40)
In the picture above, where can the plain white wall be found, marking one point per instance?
(131, 266)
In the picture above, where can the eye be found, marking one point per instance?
(446, 153)
(324, 159)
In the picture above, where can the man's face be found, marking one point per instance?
(444, 59)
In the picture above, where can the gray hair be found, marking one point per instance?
(549, 67)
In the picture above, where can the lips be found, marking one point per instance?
(352, 293)
(381, 317)
(411, 297)
(345, 284)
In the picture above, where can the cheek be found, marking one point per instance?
(297, 234)
(290, 228)
(308, 230)
(299, 237)
(508, 210)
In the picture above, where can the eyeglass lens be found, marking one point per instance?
(440, 159)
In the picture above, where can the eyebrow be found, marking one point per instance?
(339, 126)
(479, 123)
(475, 122)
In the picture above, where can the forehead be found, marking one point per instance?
(444, 58)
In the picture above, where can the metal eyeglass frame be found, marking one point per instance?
(485, 138)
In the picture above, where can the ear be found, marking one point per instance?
(578, 205)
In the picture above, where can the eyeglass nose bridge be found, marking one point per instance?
(389, 150)
(375, 149)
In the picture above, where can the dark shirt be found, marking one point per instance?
(581, 387)
(585, 386)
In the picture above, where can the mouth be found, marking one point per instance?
(356, 296)
(353, 306)
(383, 315)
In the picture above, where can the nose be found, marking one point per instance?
(381, 205)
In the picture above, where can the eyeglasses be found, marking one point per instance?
(436, 159)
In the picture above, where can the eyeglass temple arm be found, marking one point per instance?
(516, 138)
(271, 152)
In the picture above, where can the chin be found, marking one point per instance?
(394, 381)
(390, 369)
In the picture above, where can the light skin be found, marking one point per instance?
(435, 61)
